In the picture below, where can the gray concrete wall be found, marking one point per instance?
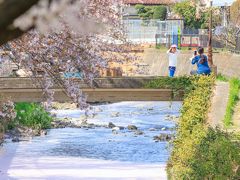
(228, 64)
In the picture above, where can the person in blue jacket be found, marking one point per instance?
(202, 63)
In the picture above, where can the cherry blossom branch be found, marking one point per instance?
(84, 39)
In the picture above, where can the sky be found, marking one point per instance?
(222, 2)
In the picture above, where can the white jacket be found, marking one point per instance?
(173, 58)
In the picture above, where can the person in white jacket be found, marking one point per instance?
(173, 53)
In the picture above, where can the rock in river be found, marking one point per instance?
(115, 114)
(18, 139)
(117, 128)
(138, 132)
(163, 137)
(121, 127)
(132, 127)
(111, 125)
(163, 129)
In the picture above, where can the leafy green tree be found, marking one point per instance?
(140, 9)
(192, 18)
(160, 12)
(188, 11)
(151, 12)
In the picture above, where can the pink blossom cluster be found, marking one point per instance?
(7, 111)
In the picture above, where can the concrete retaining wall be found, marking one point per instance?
(228, 64)
(121, 82)
(106, 90)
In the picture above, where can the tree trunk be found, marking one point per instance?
(9, 11)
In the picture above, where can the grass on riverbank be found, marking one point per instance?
(222, 78)
(32, 115)
(232, 101)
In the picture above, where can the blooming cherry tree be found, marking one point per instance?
(85, 37)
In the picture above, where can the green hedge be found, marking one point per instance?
(232, 101)
(177, 84)
(171, 83)
(200, 152)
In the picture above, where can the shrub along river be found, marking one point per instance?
(97, 152)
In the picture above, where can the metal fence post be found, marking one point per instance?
(156, 40)
(169, 41)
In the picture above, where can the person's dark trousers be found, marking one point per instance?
(172, 70)
(194, 72)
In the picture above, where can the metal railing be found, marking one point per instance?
(186, 40)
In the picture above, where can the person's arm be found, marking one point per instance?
(206, 58)
(169, 51)
(194, 60)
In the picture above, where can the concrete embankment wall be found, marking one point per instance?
(228, 64)
(106, 90)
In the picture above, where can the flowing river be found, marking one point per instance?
(98, 153)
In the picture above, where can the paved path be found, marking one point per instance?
(236, 117)
(74, 168)
(219, 104)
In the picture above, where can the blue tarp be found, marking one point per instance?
(73, 75)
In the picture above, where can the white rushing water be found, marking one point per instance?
(96, 153)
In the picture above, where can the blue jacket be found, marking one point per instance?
(201, 68)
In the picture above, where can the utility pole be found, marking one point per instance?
(210, 53)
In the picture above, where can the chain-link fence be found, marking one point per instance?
(190, 31)
(144, 31)
(165, 33)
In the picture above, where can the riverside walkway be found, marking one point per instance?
(105, 90)
(219, 104)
